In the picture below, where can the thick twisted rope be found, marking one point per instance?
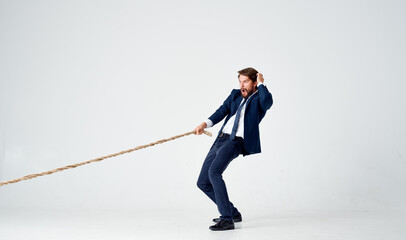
(30, 176)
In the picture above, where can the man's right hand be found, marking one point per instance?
(199, 129)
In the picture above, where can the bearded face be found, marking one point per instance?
(247, 86)
(245, 93)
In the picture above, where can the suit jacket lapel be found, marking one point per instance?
(250, 99)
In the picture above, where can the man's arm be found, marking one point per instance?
(265, 97)
(217, 116)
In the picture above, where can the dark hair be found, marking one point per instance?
(250, 72)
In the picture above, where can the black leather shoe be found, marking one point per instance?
(222, 225)
(236, 218)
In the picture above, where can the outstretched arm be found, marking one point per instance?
(216, 117)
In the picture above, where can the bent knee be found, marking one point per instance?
(213, 173)
(203, 185)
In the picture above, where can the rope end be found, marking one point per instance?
(207, 133)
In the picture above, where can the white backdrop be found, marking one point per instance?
(82, 79)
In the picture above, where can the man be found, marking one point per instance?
(243, 109)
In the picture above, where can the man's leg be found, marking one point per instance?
(224, 155)
(204, 181)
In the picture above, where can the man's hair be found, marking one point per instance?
(250, 72)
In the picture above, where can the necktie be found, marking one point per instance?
(237, 120)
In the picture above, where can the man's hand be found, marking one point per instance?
(260, 77)
(199, 129)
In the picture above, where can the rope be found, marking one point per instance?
(30, 176)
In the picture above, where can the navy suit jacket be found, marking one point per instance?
(257, 105)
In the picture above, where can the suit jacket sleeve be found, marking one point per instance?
(265, 98)
(222, 111)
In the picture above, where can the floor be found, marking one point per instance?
(169, 224)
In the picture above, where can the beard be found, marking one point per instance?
(245, 93)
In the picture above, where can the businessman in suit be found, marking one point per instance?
(243, 109)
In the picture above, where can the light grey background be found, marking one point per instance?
(82, 79)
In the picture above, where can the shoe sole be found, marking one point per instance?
(216, 221)
(222, 229)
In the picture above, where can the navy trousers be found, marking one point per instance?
(211, 180)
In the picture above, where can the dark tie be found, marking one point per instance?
(237, 120)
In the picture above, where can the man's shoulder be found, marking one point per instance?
(235, 92)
